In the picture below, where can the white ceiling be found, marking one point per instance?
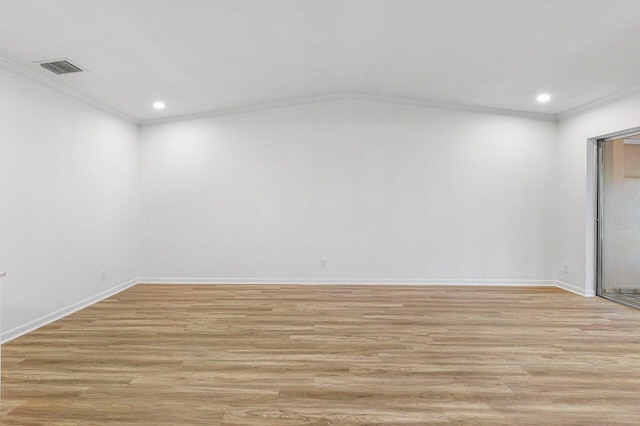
(211, 55)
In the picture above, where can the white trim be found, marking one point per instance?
(284, 103)
(350, 281)
(19, 69)
(622, 134)
(372, 281)
(598, 102)
(312, 99)
(60, 313)
(428, 103)
(575, 289)
(591, 207)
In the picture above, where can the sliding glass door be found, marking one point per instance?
(619, 219)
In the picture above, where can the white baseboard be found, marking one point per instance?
(60, 313)
(350, 281)
(373, 281)
(576, 289)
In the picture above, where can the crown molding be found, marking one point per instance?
(284, 103)
(427, 103)
(599, 102)
(19, 69)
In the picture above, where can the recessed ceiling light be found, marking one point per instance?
(543, 97)
(158, 105)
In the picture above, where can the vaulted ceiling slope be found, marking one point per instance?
(212, 55)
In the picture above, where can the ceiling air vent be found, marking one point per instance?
(60, 66)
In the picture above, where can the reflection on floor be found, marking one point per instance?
(626, 295)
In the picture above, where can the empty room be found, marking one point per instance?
(320, 212)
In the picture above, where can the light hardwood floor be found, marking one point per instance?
(329, 355)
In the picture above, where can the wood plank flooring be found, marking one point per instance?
(329, 355)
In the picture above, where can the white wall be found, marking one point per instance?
(575, 184)
(383, 192)
(69, 199)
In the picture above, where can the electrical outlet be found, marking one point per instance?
(565, 268)
(103, 275)
(323, 263)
